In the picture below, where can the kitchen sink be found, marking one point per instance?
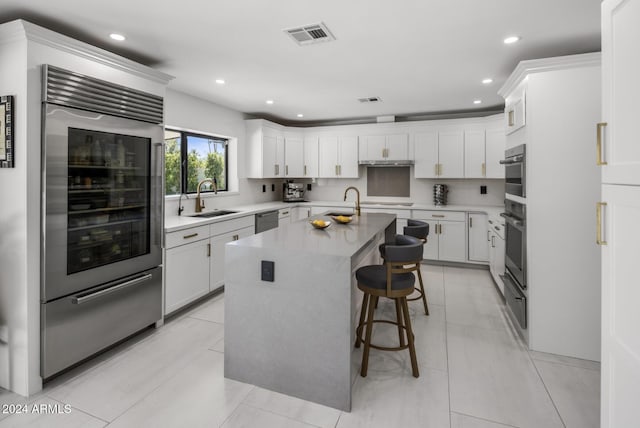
(336, 214)
(216, 213)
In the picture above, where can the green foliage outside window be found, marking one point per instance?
(172, 158)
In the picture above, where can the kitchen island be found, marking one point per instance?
(295, 334)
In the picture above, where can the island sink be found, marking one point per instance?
(336, 214)
(216, 213)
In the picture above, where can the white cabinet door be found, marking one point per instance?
(478, 245)
(186, 274)
(426, 155)
(620, 297)
(495, 144)
(474, 154)
(451, 154)
(269, 156)
(280, 165)
(373, 147)
(328, 157)
(217, 254)
(497, 262)
(620, 91)
(348, 157)
(431, 246)
(310, 165)
(397, 147)
(294, 157)
(299, 213)
(451, 241)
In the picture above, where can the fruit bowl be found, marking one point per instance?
(343, 219)
(320, 224)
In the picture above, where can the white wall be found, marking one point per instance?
(14, 354)
(190, 113)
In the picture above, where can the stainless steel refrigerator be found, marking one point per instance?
(102, 216)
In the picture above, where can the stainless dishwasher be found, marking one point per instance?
(267, 220)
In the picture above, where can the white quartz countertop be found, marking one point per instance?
(337, 239)
(173, 223)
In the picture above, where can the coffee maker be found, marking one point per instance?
(293, 192)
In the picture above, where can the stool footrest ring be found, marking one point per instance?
(382, 348)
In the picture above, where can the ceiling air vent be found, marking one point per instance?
(309, 34)
(370, 100)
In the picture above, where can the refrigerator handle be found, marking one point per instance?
(159, 189)
(80, 299)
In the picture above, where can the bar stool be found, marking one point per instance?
(394, 280)
(417, 229)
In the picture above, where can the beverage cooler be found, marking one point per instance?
(102, 216)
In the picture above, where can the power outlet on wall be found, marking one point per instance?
(273, 187)
(483, 190)
(264, 188)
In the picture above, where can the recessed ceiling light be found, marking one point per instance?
(511, 39)
(300, 115)
(487, 81)
(118, 37)
(220, 81)
(477, 101)
(269, 102)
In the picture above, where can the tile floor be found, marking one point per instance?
(474, 373)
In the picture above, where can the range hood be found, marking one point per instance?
(386, 162)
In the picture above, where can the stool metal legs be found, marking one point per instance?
(423, 294)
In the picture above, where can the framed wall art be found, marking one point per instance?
(6, 132)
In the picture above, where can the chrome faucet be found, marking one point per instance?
(199, 202)
(357, 198)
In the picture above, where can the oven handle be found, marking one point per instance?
(509, 161)
(511, 219)
(76, 300)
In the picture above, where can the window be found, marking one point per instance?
(190, 157)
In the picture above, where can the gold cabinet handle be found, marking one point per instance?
(511, 116)
(439, 169)
(599, 239)
(599, 127)
(208, 250)
(275, 169)
(488, 233)
(286, 169)
(193, 235)
(435, 169)
(336, 169)
(493, 242)
(339, 169)
(437, 215)
(484, 169)
(305, 170)
(236, 237)
(470, 221)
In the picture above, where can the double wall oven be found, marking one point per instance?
(102, 216)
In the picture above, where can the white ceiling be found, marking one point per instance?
(419, 56)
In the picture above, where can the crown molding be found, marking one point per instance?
(525, 68)
(38, 34)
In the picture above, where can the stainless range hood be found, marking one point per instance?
(386, 162)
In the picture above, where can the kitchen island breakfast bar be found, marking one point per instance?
(295, 334)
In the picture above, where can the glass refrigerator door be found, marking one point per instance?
(108, 198)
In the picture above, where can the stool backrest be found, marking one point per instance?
(416, 228)
(403, 256)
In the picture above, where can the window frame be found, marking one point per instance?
(184, 159)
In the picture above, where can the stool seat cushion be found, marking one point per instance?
(375, 276)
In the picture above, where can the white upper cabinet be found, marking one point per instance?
(265, 149)
(474, 154)
(426, 155)
(393, 147)
(495, 144)
(483, 151)
(619, 149)
(310, 164)
(451, 154)
(293, 157)
(338, 157)
(515, 113)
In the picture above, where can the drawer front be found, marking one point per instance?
(230, 225)
(439, 215)
(181, 237)
(398, 213)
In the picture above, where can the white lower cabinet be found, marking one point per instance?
(401, 216)
(447, 238)
(478, 243)
(496, 252)
(194, 260)
(300, 213)
(186, 267)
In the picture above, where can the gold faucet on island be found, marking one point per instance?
(357, 198)
(199, 202)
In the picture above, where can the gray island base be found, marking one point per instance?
(295, 335)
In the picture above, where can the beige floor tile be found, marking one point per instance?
(492, 377)
(210, 310)
(197, 396)
(111, 388)
(293, 408)
(433, 278)
(464, 421)
(248, 417)
(48, 413)
(575, 392)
